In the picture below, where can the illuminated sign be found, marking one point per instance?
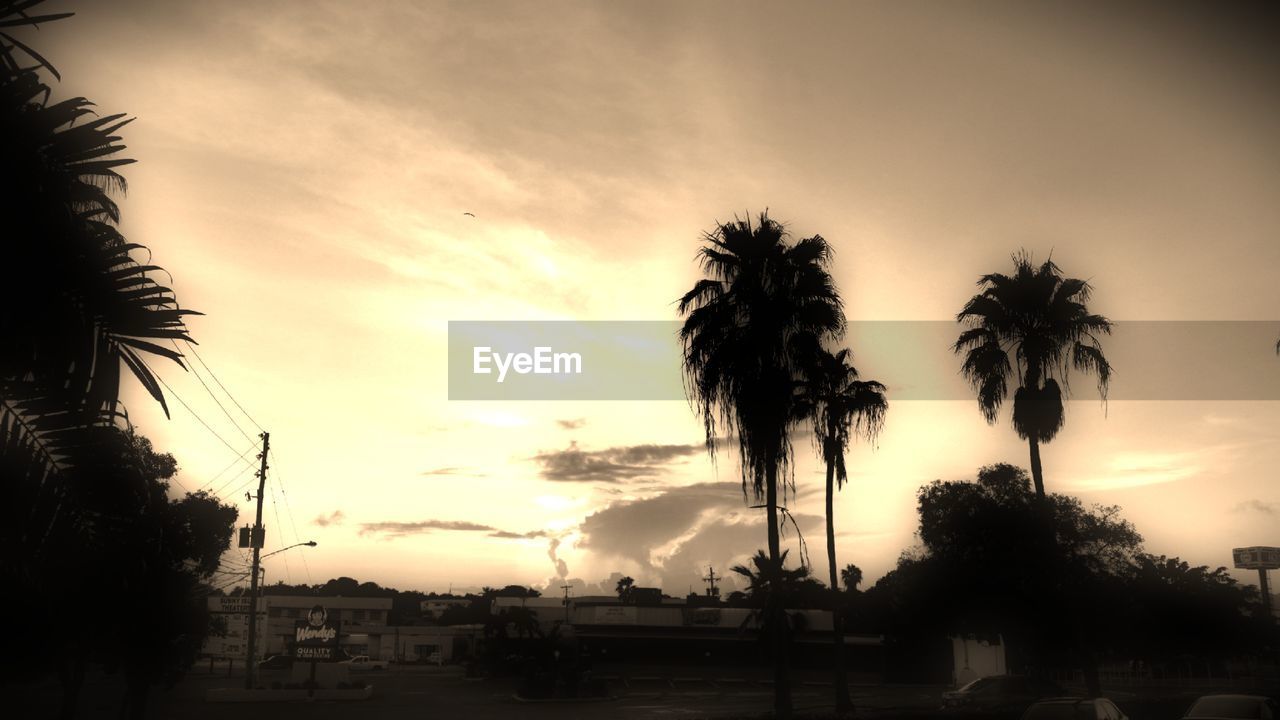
(316, 638)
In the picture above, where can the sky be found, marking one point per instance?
(304, 169)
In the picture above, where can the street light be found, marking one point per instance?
(250, 660)
(309, 543)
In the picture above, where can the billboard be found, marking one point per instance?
(1256, 558)
(316, 637)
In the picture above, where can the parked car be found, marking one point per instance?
(276, 662)
(364, 662)
(1233, 707)
(1074, 708)
(998, 696)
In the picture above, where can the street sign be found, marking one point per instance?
(1256, 558)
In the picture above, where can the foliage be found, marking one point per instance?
(839, 404)
(141, 553)
(986, 566)
(82, 305)
(775, 592)
(742, 321)
(851, 577)
(626, 589)
(1033, 325)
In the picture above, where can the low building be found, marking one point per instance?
(700, 633)
(363, 623)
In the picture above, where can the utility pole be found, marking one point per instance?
(566, 601)
(712, 590)
(256, 536)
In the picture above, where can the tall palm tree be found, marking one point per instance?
(1035, 326)
(80, 305)
(840, 406)
(741, 322)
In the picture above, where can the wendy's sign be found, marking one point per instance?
(316, 638)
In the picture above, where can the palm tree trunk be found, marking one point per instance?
(843, 702)
(771, 512)
(1037, 472)
(781, 673)
(1088, 661)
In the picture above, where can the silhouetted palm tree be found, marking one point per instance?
(1040, 319)
(760, 294)
(840, 407)
(1035, 326)
(78, 304)
(625, 588)
(851, 577)
(773, 589)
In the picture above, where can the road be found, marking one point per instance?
(414, 692)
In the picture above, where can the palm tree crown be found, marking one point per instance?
(760, 294)
(840, 405)
(1035, 326)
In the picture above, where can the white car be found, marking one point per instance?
(1231, 707)
(364, 662)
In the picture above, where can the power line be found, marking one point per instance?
(234, 478)
(233, 464)
(284, 556)
(216, 401)
(279, 477)
(224, 387)
(185, 405)
(245, 486)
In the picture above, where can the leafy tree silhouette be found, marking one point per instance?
(840, 406)
(740, 323)
(140, 553)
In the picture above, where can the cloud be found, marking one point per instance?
(452, 471)
(508, 535)
(676, 535)
(1266, 508)
(572, 424)
(423, 527)
(334, 518)
(1136, 469)
(399, 529)
(612, 465)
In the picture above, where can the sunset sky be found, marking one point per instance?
(304, 168)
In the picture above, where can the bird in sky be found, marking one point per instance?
(469, 214)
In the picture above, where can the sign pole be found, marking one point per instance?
(1266, 593)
